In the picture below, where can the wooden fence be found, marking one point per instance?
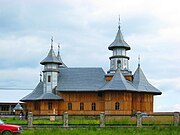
(111, 121)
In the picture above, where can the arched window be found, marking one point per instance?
(93, 106)
(81, 106)
(36, 106)
(69, 106)
(117, 106)
(118, 64)
(49, 105)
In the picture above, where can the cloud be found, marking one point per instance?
(176, 107)
(19, 78)
(165, 108)
(25, 51)
(85, 29)
(16, 96)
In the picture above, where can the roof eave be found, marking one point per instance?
(46, 62)
(112, 47)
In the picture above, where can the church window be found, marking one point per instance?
(100, 94)
(49, 105)
(49, 78)
(36, 106)
(93, 106)
(117, 106)
(81, 106)
(69, 106)
(118, 64)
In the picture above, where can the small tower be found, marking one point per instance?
(50, 72)
(119, 58)
(62, 65)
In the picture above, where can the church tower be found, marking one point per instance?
(119, 59)
(50, 72)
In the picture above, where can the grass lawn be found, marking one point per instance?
(91, 120)
(104, 131)
(89, 125)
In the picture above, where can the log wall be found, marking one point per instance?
(129, 103)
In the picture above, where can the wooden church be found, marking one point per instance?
(90, 91)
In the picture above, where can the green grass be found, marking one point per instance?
(104, 131)
(94, 120)
(17, 121)
(164, 120)
(83, 120)
(14, 120)
(89, 125)
(120, 120)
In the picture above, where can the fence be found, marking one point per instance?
(112, 121)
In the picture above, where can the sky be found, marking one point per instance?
(84, 30)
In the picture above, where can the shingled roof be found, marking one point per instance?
(119, 42)
(49, 96)
(51, 58)
(81, 79)
(118, 83)
(18, 107)
(38, 94)
(141, 83)
(62, 65)
(38, 91)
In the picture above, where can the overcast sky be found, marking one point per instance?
(85, 29)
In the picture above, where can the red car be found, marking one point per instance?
(6, 129)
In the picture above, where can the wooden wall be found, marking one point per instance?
(129, 103)
(43, 107)
(142, 102)
(85, 97)
(124, 98)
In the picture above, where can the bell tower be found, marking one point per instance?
(119, 59)
(50, 72)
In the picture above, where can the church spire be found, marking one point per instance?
(51, 58)
(52, 42)
(119, 23)
(59, 58)
(40, 76)
(58, 48)
(119, 40)
(139, 61)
